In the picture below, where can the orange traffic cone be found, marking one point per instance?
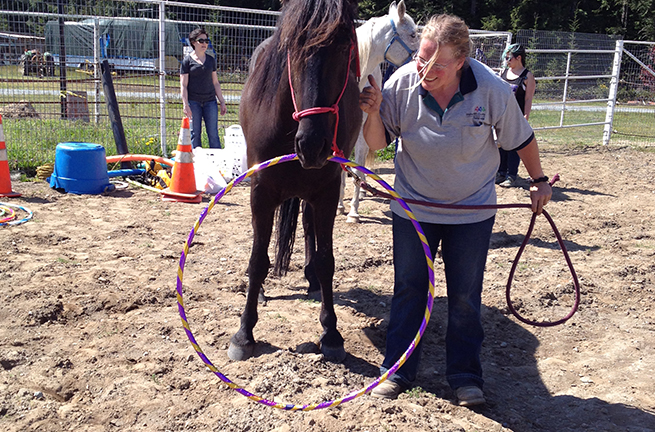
(5, 178)
(183, 182)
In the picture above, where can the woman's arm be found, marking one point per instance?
(370, 100)
(540, 193)
(219, 93)
(530, 86)
(184, 82)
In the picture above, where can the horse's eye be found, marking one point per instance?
(413, 35)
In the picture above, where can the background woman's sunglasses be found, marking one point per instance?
(202, 41)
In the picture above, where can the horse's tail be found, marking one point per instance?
(287, 221)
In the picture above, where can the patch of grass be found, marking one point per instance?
(416, 392)
(364, 210)
(387, 153)
(372, 288)
(648, 149)
(308, 300)
(643, 245)
(26, 179)
(32, 141)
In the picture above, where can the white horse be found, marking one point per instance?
(391, 38)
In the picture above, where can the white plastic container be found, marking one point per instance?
(235, 145)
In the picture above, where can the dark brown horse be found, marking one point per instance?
(312, 56)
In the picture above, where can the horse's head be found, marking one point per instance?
(319, 38)
(401, 34)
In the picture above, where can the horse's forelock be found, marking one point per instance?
(308, 25)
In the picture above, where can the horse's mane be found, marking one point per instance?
(364, 43)
(304, 27)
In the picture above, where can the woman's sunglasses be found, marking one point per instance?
(202, 41)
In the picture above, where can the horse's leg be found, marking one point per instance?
(331, 340)
(341, 208)
(242, 344)
(361, 151)
(314, 290)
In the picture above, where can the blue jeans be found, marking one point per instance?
(209, 112)
(509, 163)
(464, 250)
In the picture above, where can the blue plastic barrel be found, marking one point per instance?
(80, 168)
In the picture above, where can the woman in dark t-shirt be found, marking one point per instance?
(523, 85)
(200, 89)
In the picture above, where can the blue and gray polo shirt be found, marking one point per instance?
(449, 155)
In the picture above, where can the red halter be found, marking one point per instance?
(297, 115)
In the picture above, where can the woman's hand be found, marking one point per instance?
(370, 98)
(540, 194)
(223, 107)
(186, 109)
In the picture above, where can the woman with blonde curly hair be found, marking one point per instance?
(443, 107)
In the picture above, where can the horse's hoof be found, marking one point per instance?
(333, 354)
(261, 298)
(240, 353)
(352, 219)
(314, 295)
(340, 211)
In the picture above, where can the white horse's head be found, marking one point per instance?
(389, 38)
(402, 35)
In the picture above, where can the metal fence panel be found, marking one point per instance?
(573, 73)
(634, 116)
(46, 100)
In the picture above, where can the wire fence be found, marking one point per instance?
(634, 116)
(587, 82)
(51, 83)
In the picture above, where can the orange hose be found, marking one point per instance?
(138, 157)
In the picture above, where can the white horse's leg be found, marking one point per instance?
(341, 208)
(361, 151)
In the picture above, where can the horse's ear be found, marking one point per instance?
(397, 10)
(401, 10)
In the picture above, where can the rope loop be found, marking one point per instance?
(576, 284)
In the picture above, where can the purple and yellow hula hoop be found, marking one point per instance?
(352, 395)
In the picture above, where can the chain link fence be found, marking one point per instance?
(51, 81)
(589, 85)
(634, 116)
(574, 74)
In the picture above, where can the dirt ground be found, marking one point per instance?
(91, 339)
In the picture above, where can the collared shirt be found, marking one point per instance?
(450, 156)
(432, 103)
